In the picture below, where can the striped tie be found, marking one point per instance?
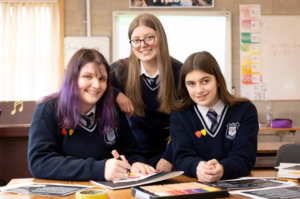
(152, 81)
(212, 115)
(87, 118)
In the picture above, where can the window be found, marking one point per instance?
(29, 50)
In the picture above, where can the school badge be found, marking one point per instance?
(232, 129)
(111, 136)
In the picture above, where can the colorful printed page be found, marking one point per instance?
(271, 192)
(250, 182)
(43, 189)
(129, 177)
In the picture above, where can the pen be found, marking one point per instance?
(117, 156)
(287, 179)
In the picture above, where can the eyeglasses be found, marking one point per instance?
(136, 43)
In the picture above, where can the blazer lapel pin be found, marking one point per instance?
(199, 133)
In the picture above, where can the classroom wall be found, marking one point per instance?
(101, 25)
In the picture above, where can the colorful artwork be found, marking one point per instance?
(132, 175)
(251, 24)
(250, 52)
(250, 38)
(179, 189)
(251, 79)
(250, 12)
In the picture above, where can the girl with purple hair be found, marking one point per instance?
(74, 130)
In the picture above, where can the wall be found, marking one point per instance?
(101, 25)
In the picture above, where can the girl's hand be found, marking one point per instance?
(125, 104)
(210, 171)
(142, 168)
(164, 165)
(115, 169)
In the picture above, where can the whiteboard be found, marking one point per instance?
(280, 46)
(72, 44)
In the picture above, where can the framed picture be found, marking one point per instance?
(171, 3)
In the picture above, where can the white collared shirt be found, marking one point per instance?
(218, 108)
(143, 71)
(92, 119)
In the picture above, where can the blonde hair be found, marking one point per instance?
(167, 90)
(205, 62)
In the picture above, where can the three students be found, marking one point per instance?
(214, 134)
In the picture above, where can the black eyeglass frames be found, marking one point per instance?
(136, 43)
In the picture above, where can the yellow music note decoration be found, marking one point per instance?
(15, 106)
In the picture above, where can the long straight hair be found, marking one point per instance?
(68, 110)
(205, 62)
(132, 68)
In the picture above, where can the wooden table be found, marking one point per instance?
(269, 147)
(117, 194)
(281, 131)
(267, 151)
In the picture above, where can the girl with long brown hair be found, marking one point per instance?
(149, 78)
(214, 134)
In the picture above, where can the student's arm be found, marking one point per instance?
(185, 157)
(116, 92)
(128, 146)
(45, 162)
(165, 163)
(242, 157)
(120, 98)
(126, 143)
(168, 154)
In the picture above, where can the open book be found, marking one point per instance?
(154, 178)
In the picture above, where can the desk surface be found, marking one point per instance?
(270, 147)
(117, 194)
(279, 129)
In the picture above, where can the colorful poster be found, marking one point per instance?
(252, 85)
(171, 3)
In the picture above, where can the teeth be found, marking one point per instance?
(145, 51)
(92, 92)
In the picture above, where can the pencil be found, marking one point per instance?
(286, 179)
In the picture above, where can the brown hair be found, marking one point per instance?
(133, 88)
(205, 62)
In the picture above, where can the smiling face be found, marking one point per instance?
(91, 84)
(146, 53)
(202, 88)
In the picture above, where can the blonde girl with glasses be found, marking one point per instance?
(147, 81)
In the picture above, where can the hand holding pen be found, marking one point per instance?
(115, 169)
(119, 157)
(137, 167)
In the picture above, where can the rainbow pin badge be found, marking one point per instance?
(199, 133)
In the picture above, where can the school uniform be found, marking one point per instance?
(76, 154)
(150, 131)
(232, 141)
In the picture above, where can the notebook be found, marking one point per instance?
(121, 185)
(288, 170)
